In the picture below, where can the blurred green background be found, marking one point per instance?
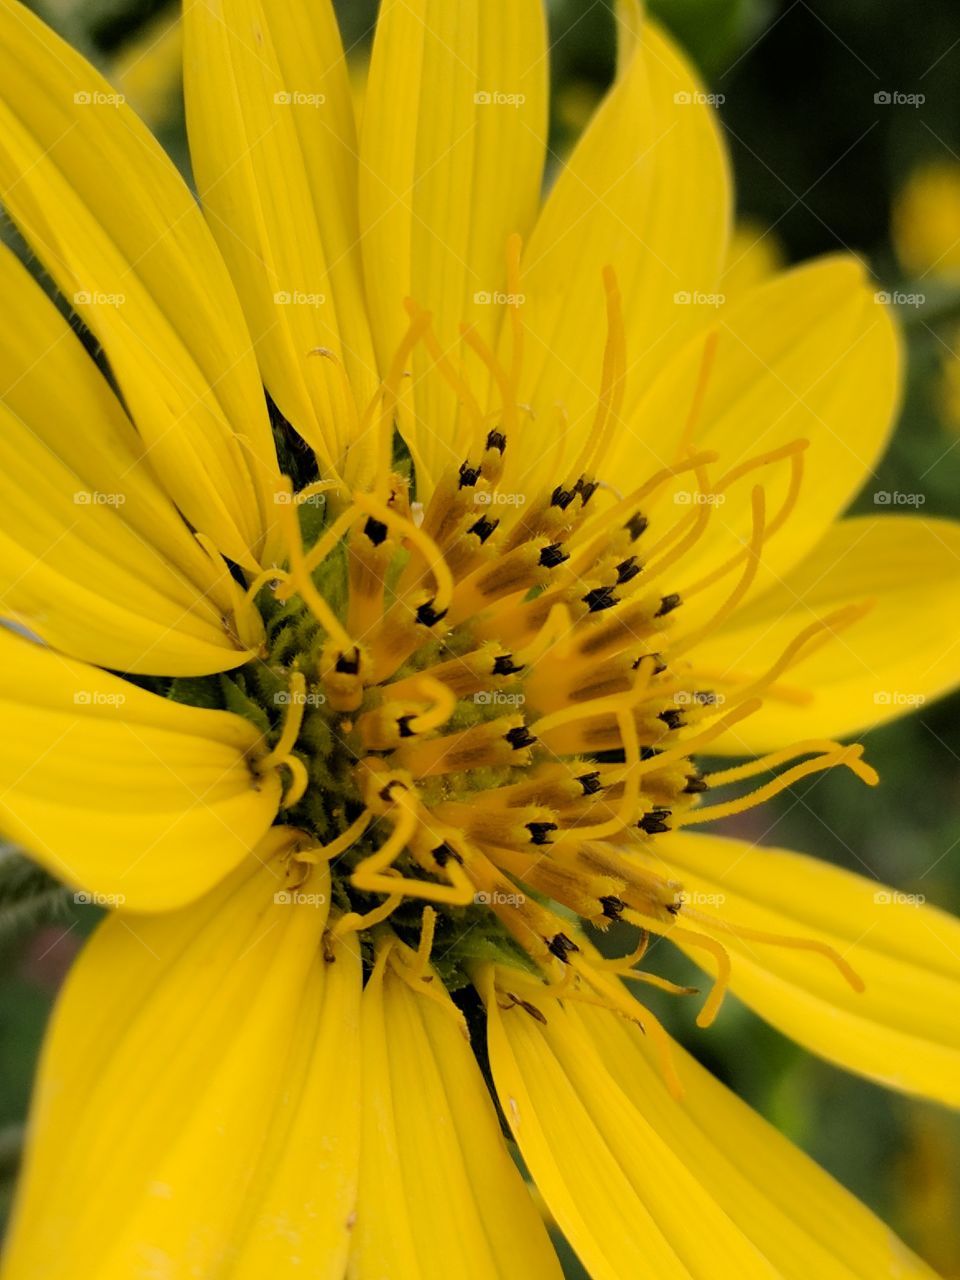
(821, 165)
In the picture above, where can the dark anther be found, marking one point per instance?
(347, 664)
(532, 1009)
(428, 616)
(668, 604)
(600, 598)
(591, 783)
(587, 489)
(627, 569)
(613, 906)
(468, 475)
(562, 497)
(561, 946)
(504, 665)
(672, 717)
(659, 666)
(695, 784)
(375, 530)
(636, 525)
(520, 737)
(483, 528)
(443, 853)
(403, 724)
(497, 440)
(553, 555)
(674, 908)
(386, 793)
(705, 698)
(654, 822)
(540, 831)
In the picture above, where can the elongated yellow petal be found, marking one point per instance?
(439, 1194)
(454, 129)
(803, 1221)
(903, 1029)
(899, 656)
(197, 1106)
(645, 1185)
(273, 145)
(808, 356)
(120, 792)
(646, 191)
(95, 557)
(121, 235)
(620, 1191)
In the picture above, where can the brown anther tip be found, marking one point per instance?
(468, 475)
(347, 664)
(428, 615)
(561, 946)
(496, 440)
(520, 737)
(376, 531)
(600, 598)
(540, 832)
(668, 604)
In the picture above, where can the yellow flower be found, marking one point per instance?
(403, 730)
(926, 218)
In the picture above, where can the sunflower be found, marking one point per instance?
(438, 535)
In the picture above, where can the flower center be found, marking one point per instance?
(489, 707)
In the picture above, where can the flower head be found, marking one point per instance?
(423, 653)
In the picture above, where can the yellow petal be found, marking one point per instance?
(197, 1107)
(647, 192)
(803, 1221)
(903, 1029)
(451, 155)
(120, 792)
(893, 660)
(121, 235)
(620, 1191)
(439, 1194)
(95, 557)
(808, 356)
(273, 146)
